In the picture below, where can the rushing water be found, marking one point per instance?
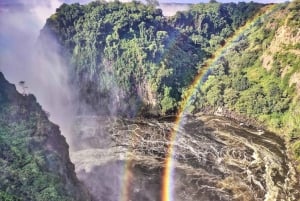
(216, 159)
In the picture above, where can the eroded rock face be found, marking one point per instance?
(34, 156)
(215, 159)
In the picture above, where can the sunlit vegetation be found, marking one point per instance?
(240, 83)
(120, 53)
(130, 46)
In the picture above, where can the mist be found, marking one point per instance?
(45, 74)
(41, 68)
(170, 9)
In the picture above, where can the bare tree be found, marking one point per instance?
(47, 114)
(24, 87)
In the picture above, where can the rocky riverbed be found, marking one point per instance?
(215, 159)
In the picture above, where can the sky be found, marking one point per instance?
(44, 8)
(2, 2)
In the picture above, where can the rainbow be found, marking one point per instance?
(168, 174)
(126, 180)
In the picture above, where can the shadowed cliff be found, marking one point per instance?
(34, 156)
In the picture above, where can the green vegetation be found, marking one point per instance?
(294, 15)
(135, 49)
(32, 168)
(130, 56)
(126, 46)
(239, 82)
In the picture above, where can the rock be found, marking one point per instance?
(34, 159)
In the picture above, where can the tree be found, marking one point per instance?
(23, 86)
(168, 103)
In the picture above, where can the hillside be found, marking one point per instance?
(34, 157)
(131, 56)
(129, 59)
(258, 75)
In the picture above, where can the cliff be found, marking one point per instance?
(129, 58)
(34, 156)
(257, 76)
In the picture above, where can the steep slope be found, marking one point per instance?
(34, 157)
(125, 56)
(130, 59)
(257, 76)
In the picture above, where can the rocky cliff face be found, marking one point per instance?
(34, 156)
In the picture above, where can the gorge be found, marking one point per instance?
(202, 105)
(215, 159)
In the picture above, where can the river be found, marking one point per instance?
(215, 159)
